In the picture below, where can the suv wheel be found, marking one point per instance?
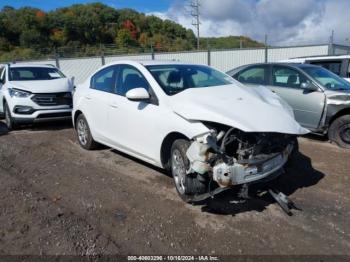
(10, 122)
(339, 131)
(84, 134)
(186, 185)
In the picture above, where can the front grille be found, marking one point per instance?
(53, 115)
(54, 99)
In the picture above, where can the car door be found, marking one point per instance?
(132, 125)
(308, 105)
(97, 100)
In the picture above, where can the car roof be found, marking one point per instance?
(290, 64)
(326, 57)
(151, 62)
(17, 65)
(299, 65)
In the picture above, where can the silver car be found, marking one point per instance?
(320, 99)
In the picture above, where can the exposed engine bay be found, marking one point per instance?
(228, 157)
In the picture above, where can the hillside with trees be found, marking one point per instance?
(83, 30)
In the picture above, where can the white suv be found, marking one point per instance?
(209, 130)
(33, 93)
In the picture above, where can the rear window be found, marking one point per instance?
(34, 73)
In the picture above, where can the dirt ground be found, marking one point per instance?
(56, 198)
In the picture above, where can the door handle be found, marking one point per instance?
(114, 106)
(88, 97)
(273, 91)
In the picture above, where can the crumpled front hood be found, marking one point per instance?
(242, 107)
(43, 86)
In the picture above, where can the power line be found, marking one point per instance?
(195, 5)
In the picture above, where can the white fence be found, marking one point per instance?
(224, 60)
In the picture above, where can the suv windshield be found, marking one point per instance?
(34, 73)
(176, 78)
(327, 79)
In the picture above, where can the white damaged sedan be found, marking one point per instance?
(208, 130)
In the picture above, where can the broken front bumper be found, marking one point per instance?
(229, 175)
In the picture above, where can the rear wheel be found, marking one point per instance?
(187, 185)
(10, 122)
(84, 134)
(339, 131)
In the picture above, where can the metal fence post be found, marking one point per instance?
(152, 53)
(331, 49)
(209, 57)
(103, 61)
(266, 50)
(57, 60)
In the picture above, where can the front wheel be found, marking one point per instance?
(10, 122)
(83, 132)
(339, 131)
(186, 185)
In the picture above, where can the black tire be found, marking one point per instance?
(10, 122)
(83, 132)
(339, 131)
(186, 185)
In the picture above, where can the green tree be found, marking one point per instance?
(124, 39)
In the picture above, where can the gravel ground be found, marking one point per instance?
(56, 198)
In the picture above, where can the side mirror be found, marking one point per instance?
(138, 94)
(309, 86)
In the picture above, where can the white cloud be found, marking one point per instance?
(285, 22)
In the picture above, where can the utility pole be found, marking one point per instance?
(195, 5)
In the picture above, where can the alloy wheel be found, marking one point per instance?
(179, 171)
(82, 131)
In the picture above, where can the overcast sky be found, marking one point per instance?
(285, 21)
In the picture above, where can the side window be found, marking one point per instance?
(287, 77)
(333, 66)
(253, 75)
(130, 78)
(104, 80)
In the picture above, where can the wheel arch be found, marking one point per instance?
(165, 149)
(340, 113)
(76, 114)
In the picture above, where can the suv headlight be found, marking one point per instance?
(18, 93)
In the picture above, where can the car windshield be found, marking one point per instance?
(176, 78)
(327, 79)
(34, 73)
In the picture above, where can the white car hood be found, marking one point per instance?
(248, 109)
(44, 86)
